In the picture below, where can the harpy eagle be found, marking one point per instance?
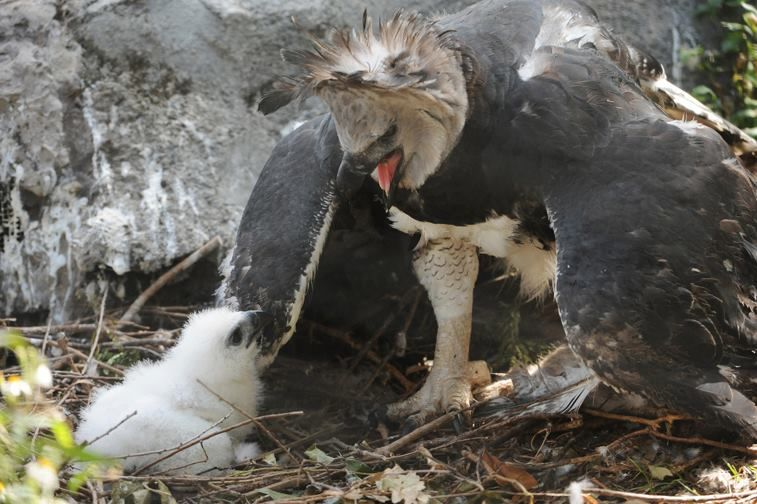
(520, 129)
(162, 405)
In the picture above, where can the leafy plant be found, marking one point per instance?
(731, 69)
(36, 442)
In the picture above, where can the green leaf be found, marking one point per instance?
(78, 480)
(355, 466)
(710, 8)
(62, 433)
(317, 455)
(12, 340)
(749, 8)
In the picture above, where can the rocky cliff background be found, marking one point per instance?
(129, 133)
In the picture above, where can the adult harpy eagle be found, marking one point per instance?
(479, 124)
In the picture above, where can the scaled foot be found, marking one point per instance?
(445, 390)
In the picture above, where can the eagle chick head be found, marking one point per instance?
(398, 96)
(218, 341)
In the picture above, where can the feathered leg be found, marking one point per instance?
(447, 269)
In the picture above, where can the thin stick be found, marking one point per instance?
(84, 356)
(47, 336)
(97, 332)
(654, 423)
(369, 344)
(417, 433)
(704, 441)
(54, 328)
(668, 498)
(257, 423)
(370, 354)
(189, 444)
(119, 424)
(169, 275)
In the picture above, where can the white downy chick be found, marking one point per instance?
(217, 347)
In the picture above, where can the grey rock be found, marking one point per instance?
(129, 135)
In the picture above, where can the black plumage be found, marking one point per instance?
(653, 220)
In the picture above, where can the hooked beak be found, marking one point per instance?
(351, 174)
(354, 169)
(262, 325)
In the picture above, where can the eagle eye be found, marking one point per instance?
(389, 133)
(236, 337)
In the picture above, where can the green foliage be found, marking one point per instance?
(36, 442)
(731, 69)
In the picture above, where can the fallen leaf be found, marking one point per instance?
(274, 495)
(659, 472)
(270, 459)
(494, 466)
(405, 486)
(355, 466)
(317, 455)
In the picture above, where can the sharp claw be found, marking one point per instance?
(459, 423)
(410, 425)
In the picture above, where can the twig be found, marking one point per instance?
(169, 275)
(371, 341)
(257, 423)
(417, 433)
(97, 332)
(654, 423)
(667, 498)
(704, 441)
(47, 336)
(189, 444)
(402, 333)
(430, 458)
(119, 424)
(84, 356)
(500, 479)
(54, 328)
(370, 354)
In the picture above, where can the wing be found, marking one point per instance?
(656, 273)
(655, 224)
(284, 226)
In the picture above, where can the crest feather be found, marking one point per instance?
(407, 52)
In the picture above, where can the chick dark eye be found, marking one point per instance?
(389, 134)
(236, 337)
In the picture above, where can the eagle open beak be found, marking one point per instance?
(388, 175)
(354, 169)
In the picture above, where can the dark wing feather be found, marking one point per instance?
(654, 291)
(288, 210)
(646, 275)
(275, 99)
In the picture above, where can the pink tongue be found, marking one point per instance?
(387, 167)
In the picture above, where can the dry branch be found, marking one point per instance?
(169, 275)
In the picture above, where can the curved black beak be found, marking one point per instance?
(351, 174)
(262, 329)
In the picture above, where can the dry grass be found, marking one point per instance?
(616, 458)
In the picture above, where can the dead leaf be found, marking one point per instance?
(270, 459)
(659, 472)
(274, 495)
(317, 455)
(142, 493)
(405, 486)
(494, 466)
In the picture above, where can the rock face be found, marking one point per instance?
(128, 130)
